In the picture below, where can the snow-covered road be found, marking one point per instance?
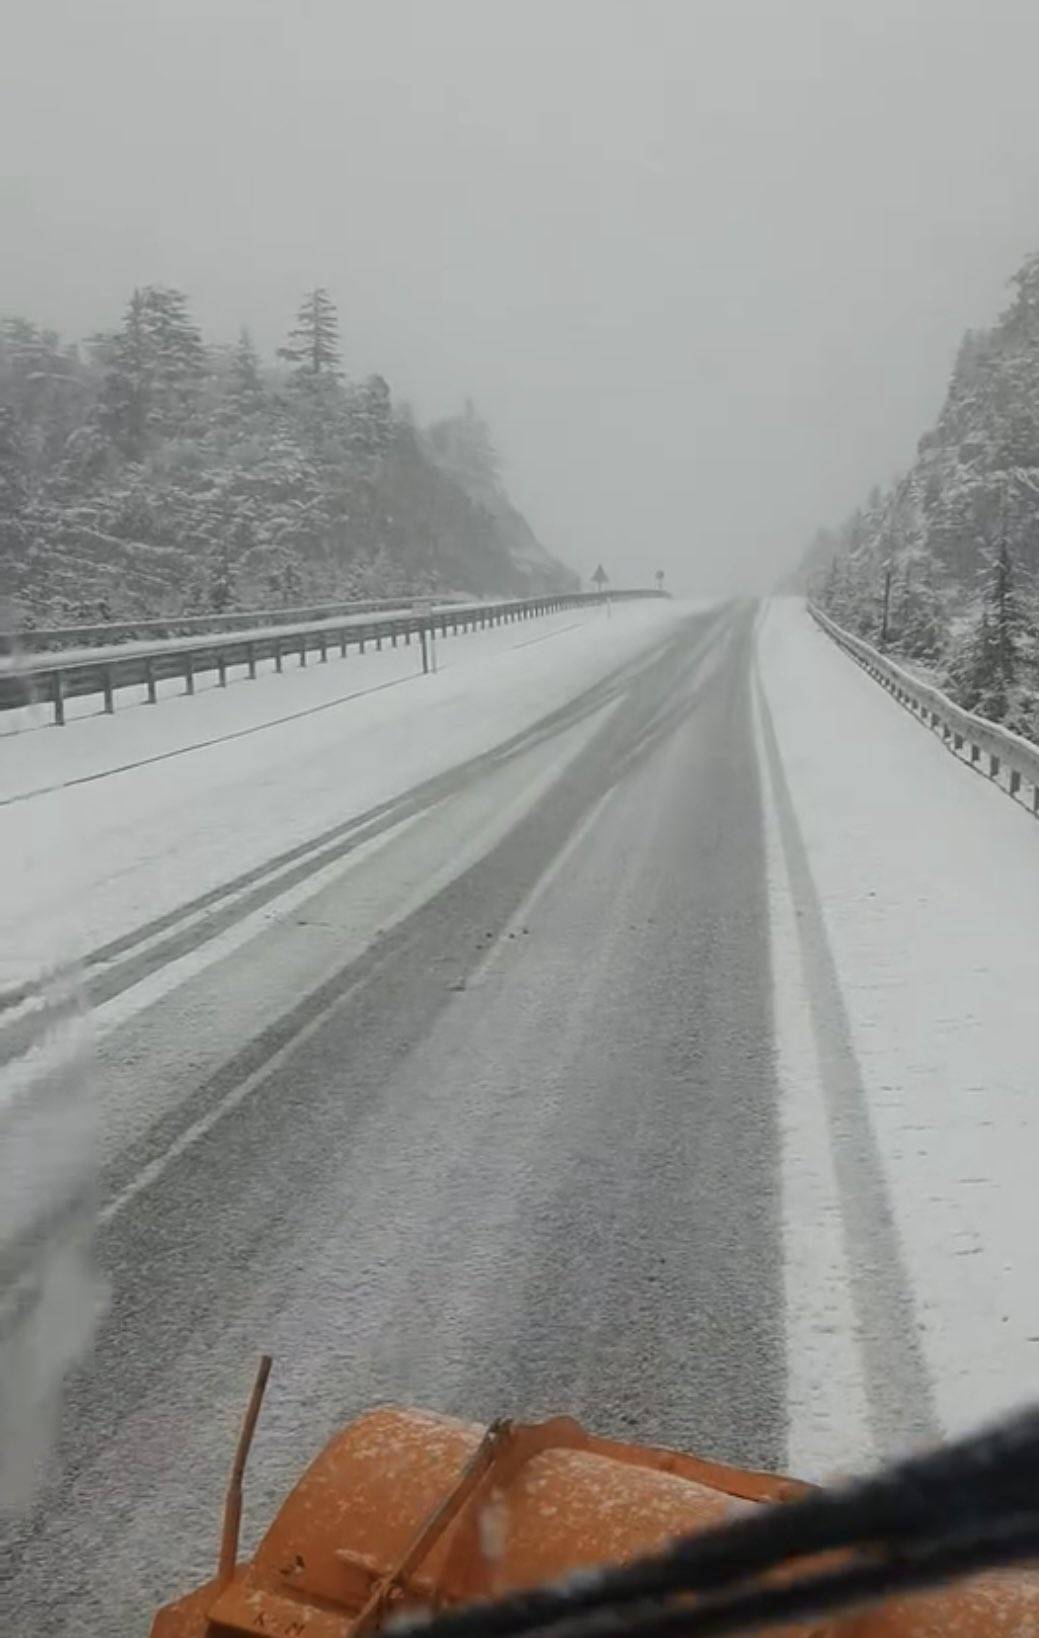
(637, 1024)
(116, 819)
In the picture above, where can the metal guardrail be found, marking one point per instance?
(1008, 756)
(28, 679)
(42, 639)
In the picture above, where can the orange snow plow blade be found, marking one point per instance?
(406, 1512)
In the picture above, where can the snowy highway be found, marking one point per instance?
(636, 1023)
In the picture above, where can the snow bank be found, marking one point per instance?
(929, 887)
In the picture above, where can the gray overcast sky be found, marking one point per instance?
(703, 265)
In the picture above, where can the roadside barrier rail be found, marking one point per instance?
(30, 678)
(1008, 759)
(42, 639)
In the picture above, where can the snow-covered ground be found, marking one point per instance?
(905, 901)
(112, 820)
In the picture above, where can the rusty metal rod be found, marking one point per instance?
(233, 1500)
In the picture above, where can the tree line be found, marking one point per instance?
(942, 568)
(149, 471)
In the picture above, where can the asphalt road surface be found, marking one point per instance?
(487, 1123)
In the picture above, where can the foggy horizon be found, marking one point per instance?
(704, 269)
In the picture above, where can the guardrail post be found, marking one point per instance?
(107, 690)
(424, 640)
(975, 753)
(1015, 781)
(221, 669)
(277, 654)
(149, 678)
(303, 649)
(58, 699)
(250, 654)
(323, 642)
(342, 644)
(189, 672)
(360, 641)
(993, 765)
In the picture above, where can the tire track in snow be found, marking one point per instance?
(126, 960)
(899, 1393)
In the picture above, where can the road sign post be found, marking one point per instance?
(427, 633)
(600, 580)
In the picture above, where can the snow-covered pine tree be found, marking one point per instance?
(14, 493)
(371, 424)
(312, 344)
(154, 367)
(126, 397)
(245, 388)
(961, 537)
(155, 473)
(1002, 606)
(177, 358)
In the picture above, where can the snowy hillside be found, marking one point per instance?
(943, 566)
(152, 472)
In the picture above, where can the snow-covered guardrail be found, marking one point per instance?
(30, 678)
(1007, 758)
(42, 639)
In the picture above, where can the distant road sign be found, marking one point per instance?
(600, 578)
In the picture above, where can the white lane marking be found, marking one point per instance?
(828, 1418)
(519, 919)
(233, 896)
(480, 841)
(49, 1054)
(40, 999)
(192, 1134)
(112, 1013)
(504, 819)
